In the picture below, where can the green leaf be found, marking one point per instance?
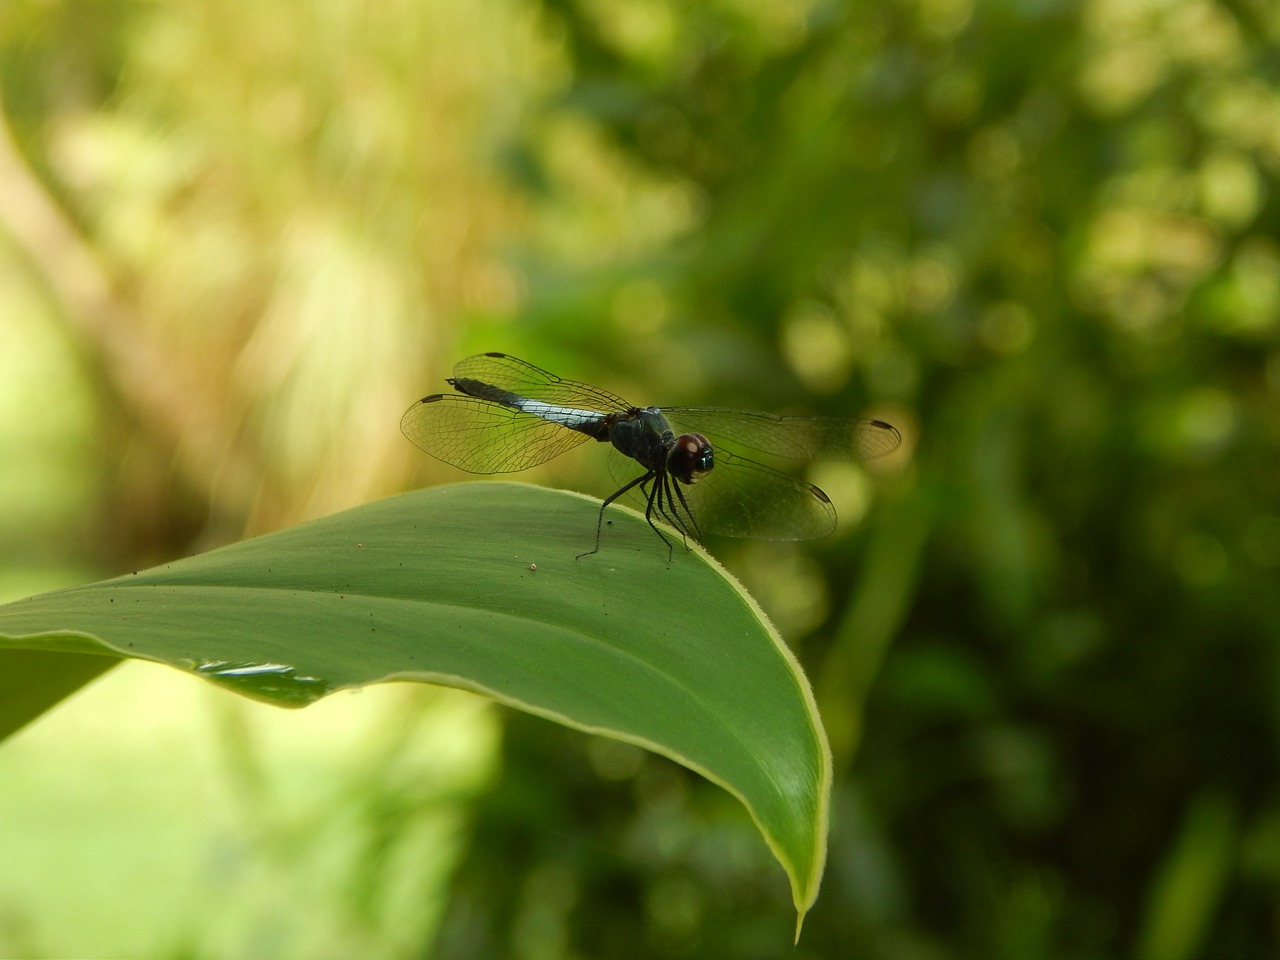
(32, 681)
(477, 586)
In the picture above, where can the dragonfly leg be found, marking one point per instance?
(690, 528)
(608, 500)
(654, 499)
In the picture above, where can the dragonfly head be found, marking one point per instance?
(691, 458)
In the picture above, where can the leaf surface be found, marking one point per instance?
(476, 586)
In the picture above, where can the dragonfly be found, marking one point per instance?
(682, 463)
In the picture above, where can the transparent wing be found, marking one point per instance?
(796, 438)
(526, 380)
(742, 498)
(483, 437)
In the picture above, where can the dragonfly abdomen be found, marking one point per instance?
(590, 422)
(485, 391)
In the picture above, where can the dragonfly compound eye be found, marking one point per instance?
(691, 458)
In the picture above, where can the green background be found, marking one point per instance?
(238, 238)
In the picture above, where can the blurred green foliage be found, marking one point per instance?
(1041, 237)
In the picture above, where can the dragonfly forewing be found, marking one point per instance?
(525, 380)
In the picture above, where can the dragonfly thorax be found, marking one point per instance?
(643, 435)
(646, 437)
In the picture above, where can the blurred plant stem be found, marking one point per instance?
(147, 384)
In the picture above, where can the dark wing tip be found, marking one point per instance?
(501, 356)
(892, 432)
(819, 493)
(433, 398)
